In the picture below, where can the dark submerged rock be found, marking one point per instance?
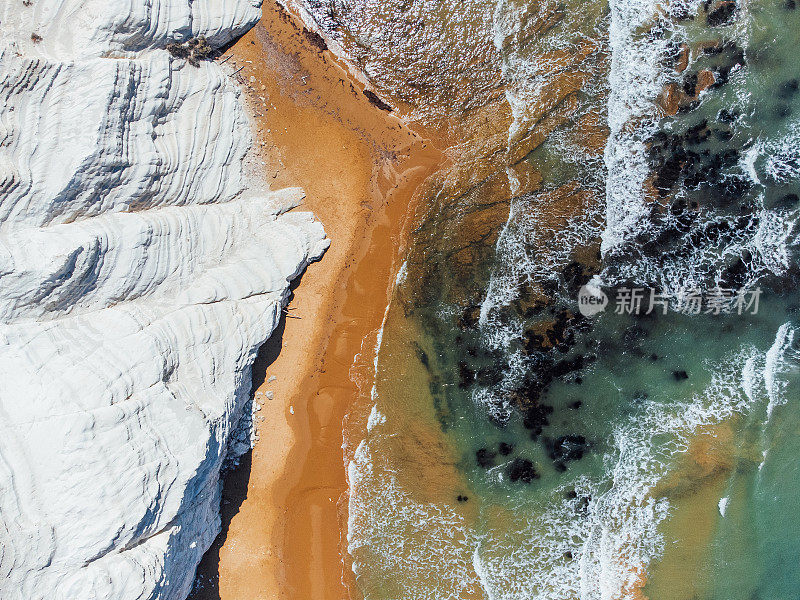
(505, 449)
(469, 318)
(485, 458)
(783, 111)
(567, 366)
(466, 376)
(680, 375)
(490, 376)
(698, 133)
(566, 449)
(576, 275)
(788, 88)
(535, 419)
(722, 15)
(422, 356)
(582, 505)
(668, 175)
(724, 135)
(735, 275)
(315, 39)
(788, 201)
(690, 84)
(521, 469)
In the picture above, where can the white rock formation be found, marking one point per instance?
(139, 275)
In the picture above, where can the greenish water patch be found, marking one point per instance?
(519, 450)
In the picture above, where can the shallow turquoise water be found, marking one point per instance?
(500, 464)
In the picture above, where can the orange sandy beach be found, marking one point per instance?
(284, 508)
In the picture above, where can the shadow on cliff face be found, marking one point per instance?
(234, 489)
(270, 350)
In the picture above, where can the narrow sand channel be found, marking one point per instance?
(283, 509)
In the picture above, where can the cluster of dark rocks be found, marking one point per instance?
(559, 333)
(680, 375)
(580, 503)
(682, 159)
(518, 470)
(703, 159)
(712, 70)
(549, 345)
(724, 12)
(522, 469)
(193, 50)
(703, 162)
(719, 13)
(566, 449)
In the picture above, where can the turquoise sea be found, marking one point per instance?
(513, 448)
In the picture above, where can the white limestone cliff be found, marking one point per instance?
(139, 274)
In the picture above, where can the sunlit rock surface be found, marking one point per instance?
(140, 271)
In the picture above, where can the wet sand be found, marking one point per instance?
(284, 509)
(694, 490)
